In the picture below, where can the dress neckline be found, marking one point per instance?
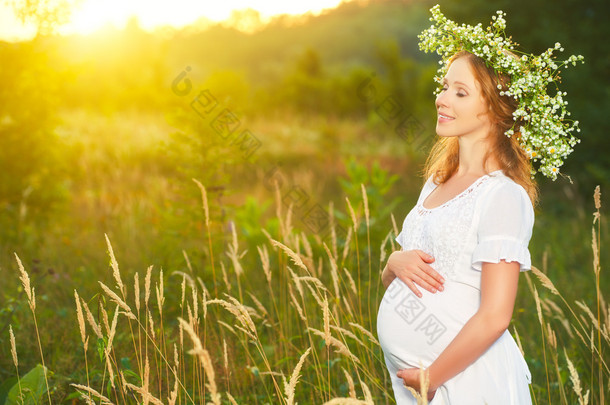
(467, 190)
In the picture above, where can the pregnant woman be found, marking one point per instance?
(451, 290)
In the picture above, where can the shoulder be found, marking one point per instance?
(499, 183)
(502, 191)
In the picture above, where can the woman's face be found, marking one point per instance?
(462, 111)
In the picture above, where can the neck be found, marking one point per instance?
(471, 158)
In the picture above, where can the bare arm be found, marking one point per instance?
(498, 291)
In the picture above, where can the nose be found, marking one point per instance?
(441, 100)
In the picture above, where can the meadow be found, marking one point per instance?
(252, 306)
(202, 215)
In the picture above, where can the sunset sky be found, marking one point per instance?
(94, 14)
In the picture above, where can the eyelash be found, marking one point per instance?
(457, 94)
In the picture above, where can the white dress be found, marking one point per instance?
(491, 220)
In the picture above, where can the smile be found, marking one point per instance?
(444, 117)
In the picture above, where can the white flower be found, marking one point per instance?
(542, 117)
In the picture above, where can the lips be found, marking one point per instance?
(444, 116)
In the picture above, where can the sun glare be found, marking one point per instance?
(91, 15)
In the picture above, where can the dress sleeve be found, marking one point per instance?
(505, 227)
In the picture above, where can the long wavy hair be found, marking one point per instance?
(443, 160)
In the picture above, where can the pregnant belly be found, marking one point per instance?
(415, 330)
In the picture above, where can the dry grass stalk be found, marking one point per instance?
(110, 372)
(188, 261)
(545, 280)
(340, 347)
(288, 222)
(346, 401)
(233, 253)
(259, 305)
(368, 397)
(264, 255)
(295, 279)
(89, 390)
(422, 395)
(366, 204)
(96, 328)
(204, 303)
(350, 383)
(182, 291)
(13, 348)
(538, 308)
(315, 281)
(290, 387)
(347, 306)
(307, 245)
(80, 318)
(226, 325)
(366, 332)
(588, 311)
(350, 280)
(595, 253)
(171, 400)
(295, 258)
(114, 297)
(147, 285)
(108, 348)
(176, 358)
(105, 320)
(333, 232)
(25, 280)
(597, 197)
(144, 390)
(151, 327)
(554, 307)
(240, 313)
(278, 206)
(136, 291)
(225, 355)
(204, 202)
(382, 249)
(348, 334)
(115, 267)
(348, 239)
(576, 381)
(326, 318)
(518, 339)
(204, 357)
(352, 215)
(195, 304)
(551, 335)
(316, 296)
(190, 314)
(295, 303)
(231, 399)
(160, 293)
(333, 271)
(394, 227)
(225, 276)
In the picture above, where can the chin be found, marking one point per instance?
(443, 133)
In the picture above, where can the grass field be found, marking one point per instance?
(145, 287)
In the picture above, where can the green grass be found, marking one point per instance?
(124, 184)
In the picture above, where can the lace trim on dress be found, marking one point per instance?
(421, 210)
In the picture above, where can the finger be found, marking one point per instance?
(425, 256)
(412, 287)
(415, 280)
(429, 270)
(424, 281)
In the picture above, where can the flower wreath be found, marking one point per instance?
(546, 134)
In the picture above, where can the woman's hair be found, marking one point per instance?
(443, 159)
